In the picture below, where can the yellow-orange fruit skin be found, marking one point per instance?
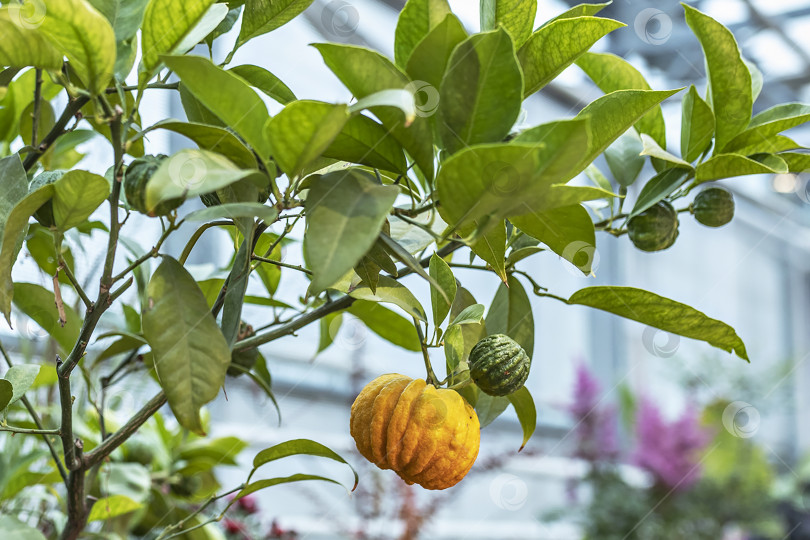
(427, 435)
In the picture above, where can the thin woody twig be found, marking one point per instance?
(60, 306)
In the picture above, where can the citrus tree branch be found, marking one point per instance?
(58, 129)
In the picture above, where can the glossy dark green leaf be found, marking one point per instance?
(659, 187)
(388, 325)
(23, 46)
(165, 25)
(697, 125)
(515, 16)
(77, 194)
(262, 16)
(624, 159)
(213, 138)
(39, 304)
(364, 141)
(731, 165)
(302, 131)
(662, 313)
(729, 77)
(430, 56)
(480, 95)
(557, 45)
(264, 81)
(440, 271)
(191, 354)
(228, 96)
(526, 412)
(345, 212)
(415, 21)
(511, 313)
(568, 231)
(365, 72)
(768, 123)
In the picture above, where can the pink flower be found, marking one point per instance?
(248, 504)
(595, 428)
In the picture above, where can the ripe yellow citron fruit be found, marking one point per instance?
(427, 435)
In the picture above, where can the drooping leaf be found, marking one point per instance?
(365, 72)
(429, 58)
(112, 506)
(440, 271)
(391, 291)
(189, 173)
(489, 407)
(262, 16)
(387, 324)
(302, 131)
(76, 195)
(345, 212)
(165, 24)
(228, 96)
(21, 377)
(329, 326)
(237, 285)
(191, 355)
(557, 45)
(729, 77)
(731, 165)
(526, 412)
(624, 158)
(511, 313)
(23, 46)
(568, 231)
(491, 247)
(658, 188)
(213, 138)
(39, 304)
(480, 94)
(76, 29)
(15, 187)
(662, 313)
(364, 141)
(415, 21)
(515, 16)
(299, 447)
(264, 81)
(473, 314)
(768, 123)
(253, 487)
(697, 125)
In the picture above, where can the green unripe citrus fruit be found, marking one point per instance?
(655, 228)
(498, 365)
(136, 177)
(713, 207)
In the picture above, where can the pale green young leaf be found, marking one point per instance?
(662, 313)
(213, 138)
(440, 271)
(263, 16)
(165, 24)
(652, 149)
(234, 211)
(511, 313)
(264, 81)
(491, 247)
(429, 58)
(556, 46)
(77, 194)
(364, 141)
(401, 99)
(480, 94)
(21, 377)
(22, 46)
(391, 291)
(473, 314)
(697, 125)
(113, 506)
(515, 16)
(299, 447)
(769, 123)
(732, 165)
(581, 10)
(568, 231)
(772, 145)
(659, 187)
(624, 158)
(15, 187)
(415, 21)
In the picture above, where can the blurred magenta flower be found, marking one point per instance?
(595, 428)
(669, 451)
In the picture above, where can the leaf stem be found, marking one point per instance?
(196, 236)
(431, 376)
(283, 264)
(37, 106)
(28, 431)
(151, 253)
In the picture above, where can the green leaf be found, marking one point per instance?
(568, 231)
(491, 247)
(15, 187)
(212, 138)
(415, 21)
(233, 211)
(226, 95)
(515, 16)
(527, 414)
(659, 187)
(189, 173)
(77, 194)
(345, 212)
(401, 99)
(610, 73)
(581, 10)
(511, 313)
(13, 529)
(112, 506)
(263, 16)
(125, 16)
(652, 149)
(502, 180)
(21, 377)
(517, 255)
(329, 326)
(555, 46)
(473, 314)
(461, 337)
(697, 125)
(165, 24)
(13, 232)
(797, 163)
(480, 94)
(489, 407)
(441, 303)
(388, 325)
(299, 447)
(264, 81)
(6, 393)
(262, 484)
(729, 78)
(730, 166)
(76, 29)
(302, 131)
(46, 121)
(23, 46)
(624, 158)
(768, 123)
(362, 140)
(237, 285)
(429, 58)
(392, 292)
(365, 72)
(662, 313)
(39, 304)
(772, 145)
(191, 354)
